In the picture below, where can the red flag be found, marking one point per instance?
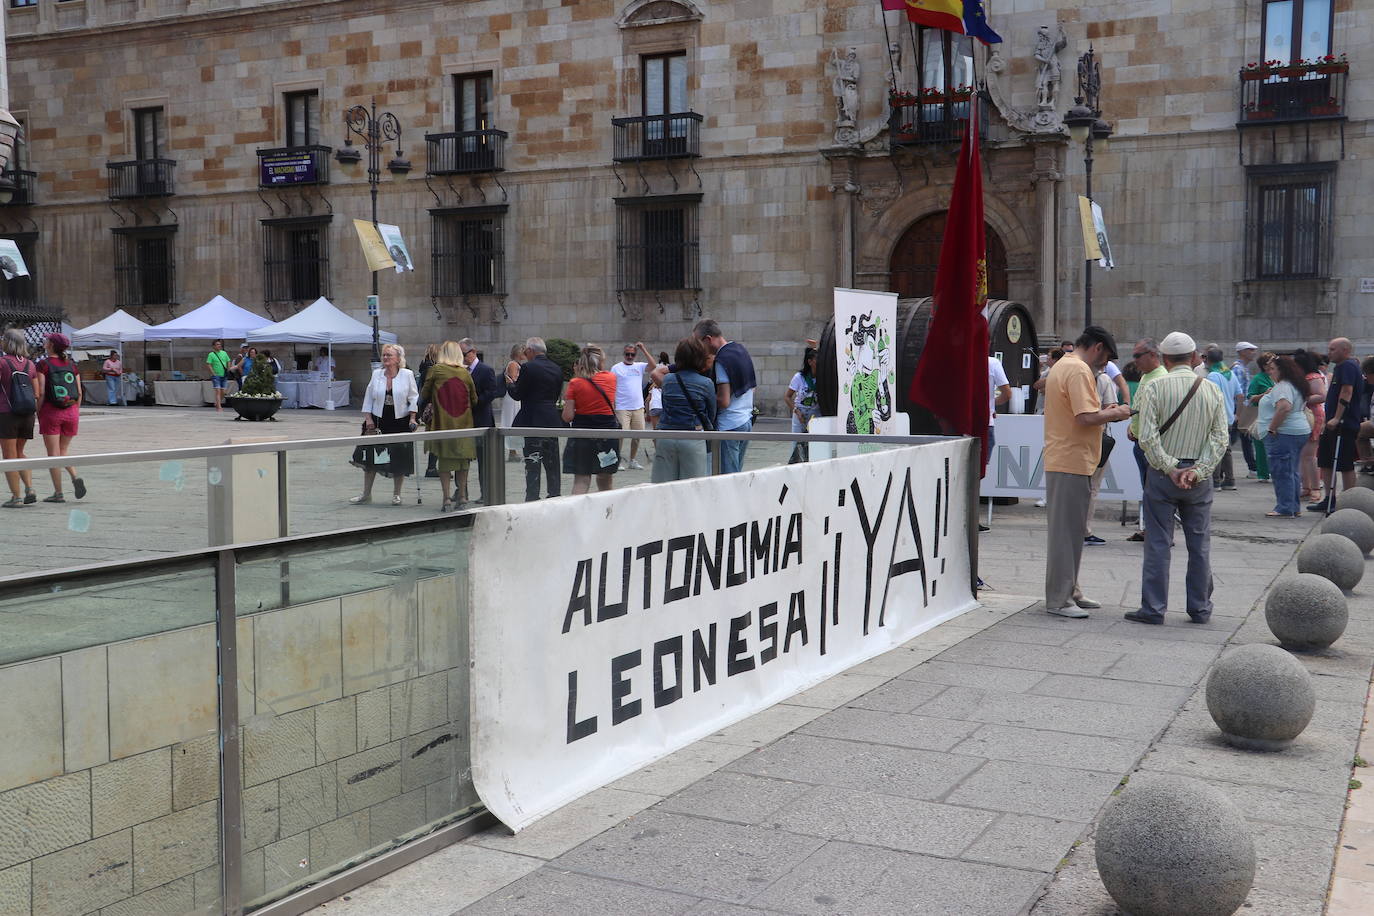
(938, 14)
(951, 377)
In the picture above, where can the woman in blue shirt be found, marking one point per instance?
(689, 402)
(1283, 422)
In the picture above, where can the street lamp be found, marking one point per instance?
(374, 130)
(1086, 126)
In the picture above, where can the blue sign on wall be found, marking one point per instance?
(288, 167)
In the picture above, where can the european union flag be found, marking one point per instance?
(976, 23)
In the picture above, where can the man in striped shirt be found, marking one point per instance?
(1184, 433)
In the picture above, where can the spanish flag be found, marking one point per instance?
(963, 16)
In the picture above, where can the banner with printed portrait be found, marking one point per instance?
(633, 636)
(866, 360)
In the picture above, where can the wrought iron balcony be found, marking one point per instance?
(141, 178)
(933, 118)
(1285, 93)
(22, 183)
(293, 165)
(670, 136)
(467, 152)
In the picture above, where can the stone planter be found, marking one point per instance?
(253, 408)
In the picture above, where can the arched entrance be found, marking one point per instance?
(917, 254)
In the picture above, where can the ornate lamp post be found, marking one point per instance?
(374, 130)
(1086, 126)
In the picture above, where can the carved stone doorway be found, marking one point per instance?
(917, 254)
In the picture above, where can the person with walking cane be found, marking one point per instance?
(1336, 447)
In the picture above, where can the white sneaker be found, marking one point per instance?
(1039, 504)
(635, 465)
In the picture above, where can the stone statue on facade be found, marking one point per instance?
(846, 86)
(895, 81)
(1047, 74)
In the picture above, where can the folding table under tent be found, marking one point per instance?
(321, 322)
(112, 331)
(218, 319)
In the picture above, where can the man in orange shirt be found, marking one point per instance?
(1074, 417)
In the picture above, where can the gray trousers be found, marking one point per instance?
(1194, 508)
(1067, 498)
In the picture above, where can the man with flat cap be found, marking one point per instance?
(1184, 434)
(1074, 417)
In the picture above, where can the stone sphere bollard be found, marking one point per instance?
(1334, 557)
(1306, 612)
(1361, 498)
(1260, 697)
(1354, 524)
(1170, 845)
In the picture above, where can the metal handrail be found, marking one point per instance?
(555, 432)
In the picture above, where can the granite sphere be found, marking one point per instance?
(1169, 845)
(1260, 697)
(1306, 612)
(1361, 498)
(1354, 524)
(1334, 557)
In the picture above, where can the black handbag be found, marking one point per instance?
(1108, 443)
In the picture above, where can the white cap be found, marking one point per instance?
(1245, 345)
(1177, 344)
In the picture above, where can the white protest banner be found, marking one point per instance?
(866, 360)
(396, 247)
(1016, 465)
(625, 637)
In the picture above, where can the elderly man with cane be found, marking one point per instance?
(1336, 447)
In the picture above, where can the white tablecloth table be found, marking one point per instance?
(194, 393)
(314, 394)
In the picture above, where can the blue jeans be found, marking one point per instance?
(111, 389)
(1282, 450)
(1194, 508)
(732, 450)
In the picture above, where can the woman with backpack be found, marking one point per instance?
(18, 404)
(59, 410)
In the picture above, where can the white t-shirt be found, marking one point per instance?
(629, 385)
(1112, 371)
(655, 399)
(997, 377)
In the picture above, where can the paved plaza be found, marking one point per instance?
(961, 773)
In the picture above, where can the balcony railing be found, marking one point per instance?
(467, 152)
(933, 119)
(1292, 93)
(293, 165)
(22, 183)
(670, 136)
(141, 178)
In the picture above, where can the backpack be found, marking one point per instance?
(22, 401)
(61, 388)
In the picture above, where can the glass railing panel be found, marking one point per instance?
(354, 707)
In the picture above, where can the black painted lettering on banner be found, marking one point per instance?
(685, 545)
(619, 608)
(667, 648)
(647, 552)
(737, 657)
(768, 633)
(577, 730)
(620, 687)
(703, 658)
(796, 619)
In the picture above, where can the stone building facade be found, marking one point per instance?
(611, 170)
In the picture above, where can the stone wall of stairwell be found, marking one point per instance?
(354, 732)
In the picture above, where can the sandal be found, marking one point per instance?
(396, 500)
(79, 487)
(30, 497)
(360, 500)
(14, 502)
(447, 506)
(55, 498)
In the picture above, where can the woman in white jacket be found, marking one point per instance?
(388, 407)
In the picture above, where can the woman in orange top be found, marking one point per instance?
(589, 403)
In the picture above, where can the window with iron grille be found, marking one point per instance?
(1290, 224)
(467, 252)
(657, 243)
(145, 269)
(302, 117)
(295, 259)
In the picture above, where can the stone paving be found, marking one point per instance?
(960, 773)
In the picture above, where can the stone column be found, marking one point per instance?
(844, 184)
(1047, 176)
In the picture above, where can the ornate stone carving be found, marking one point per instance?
(657, 12)
(845, 86)
(1047, 73)
(875, 199)
(1040, 121)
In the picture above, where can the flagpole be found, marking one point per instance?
(891, 66)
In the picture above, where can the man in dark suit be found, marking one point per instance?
(538, 388)
(489, 388)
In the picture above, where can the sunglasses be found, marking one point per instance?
(1142, 353)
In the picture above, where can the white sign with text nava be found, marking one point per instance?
(641, 620)
(1016, 464)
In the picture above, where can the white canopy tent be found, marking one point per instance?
(321, 322)
(215, 320)
(111, 331)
